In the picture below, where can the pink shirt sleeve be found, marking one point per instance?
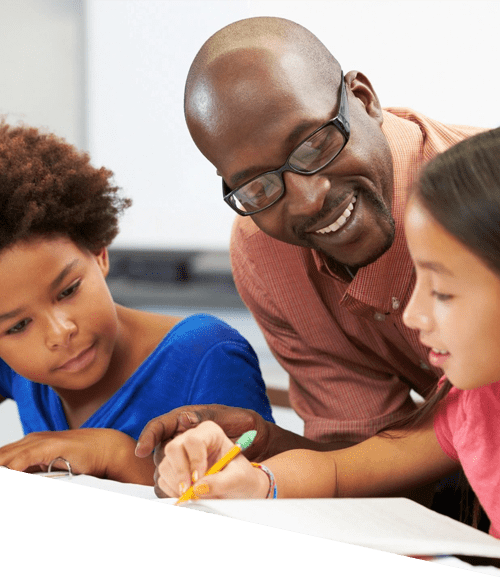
(445, 422)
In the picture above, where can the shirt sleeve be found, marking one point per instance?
(5, 381)
(445, 422)
(229, 374)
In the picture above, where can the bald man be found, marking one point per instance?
(318, 174)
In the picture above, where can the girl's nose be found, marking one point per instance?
(418, 312)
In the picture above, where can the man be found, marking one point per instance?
(319, 174)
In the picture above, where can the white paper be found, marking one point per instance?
(395, 525)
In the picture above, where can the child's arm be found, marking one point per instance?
(104, 453)
(377, 467)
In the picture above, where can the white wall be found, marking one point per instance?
(439, 57)
(42, 66)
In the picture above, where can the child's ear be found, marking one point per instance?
(102, 259)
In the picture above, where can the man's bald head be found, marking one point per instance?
(243, 70)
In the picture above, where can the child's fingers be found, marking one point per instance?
(238, 480)
(175, 472)
(188, 456)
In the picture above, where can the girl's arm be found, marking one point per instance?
(105, 453)
(380, 466)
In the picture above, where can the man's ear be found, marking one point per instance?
(102, 259)
(362, 89)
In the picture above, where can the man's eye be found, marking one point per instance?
(257, 194)
(19, 327)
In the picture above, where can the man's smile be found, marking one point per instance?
(339, 221)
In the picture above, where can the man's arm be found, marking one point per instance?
(270, 440)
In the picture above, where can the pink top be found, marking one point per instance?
(350, 358)
(467, 426)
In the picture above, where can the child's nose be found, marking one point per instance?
(60, 329)
(416, 315)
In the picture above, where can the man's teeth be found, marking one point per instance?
(341, 220)
(439, 351)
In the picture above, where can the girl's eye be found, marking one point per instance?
(441, 296)
(70, 290)
(19, 328)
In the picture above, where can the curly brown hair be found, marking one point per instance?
(48, 187)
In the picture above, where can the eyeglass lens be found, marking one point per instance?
(312, 155)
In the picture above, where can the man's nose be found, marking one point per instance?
(305, 194)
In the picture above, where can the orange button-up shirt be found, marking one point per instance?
(350, 358)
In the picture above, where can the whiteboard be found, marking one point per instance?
(438, 57)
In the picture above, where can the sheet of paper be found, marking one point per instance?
(394, 525)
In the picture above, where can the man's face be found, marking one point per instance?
(255, 126)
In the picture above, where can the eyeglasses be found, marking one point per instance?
(310, 156)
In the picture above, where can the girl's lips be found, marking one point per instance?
(81, 361)
(438, 358)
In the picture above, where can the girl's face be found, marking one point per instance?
(58, 323)
(455, 304)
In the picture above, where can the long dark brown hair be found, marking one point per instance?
(460, 188)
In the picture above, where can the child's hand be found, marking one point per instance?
(104, 453)
(191, 454)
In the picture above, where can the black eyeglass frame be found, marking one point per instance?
(341, 123)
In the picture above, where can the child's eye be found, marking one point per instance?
(19, 328)
(441, 296)
(70, 290)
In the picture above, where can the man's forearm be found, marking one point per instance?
(281, 440)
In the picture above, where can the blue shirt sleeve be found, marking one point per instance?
(6, 377)
(229, 374)
(220, 366)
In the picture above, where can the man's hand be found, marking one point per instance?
(270, 439)
(233, 421)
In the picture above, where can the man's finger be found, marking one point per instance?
(153, 434)
(164, 428)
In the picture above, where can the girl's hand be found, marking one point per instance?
(104, 453)
(189, 456)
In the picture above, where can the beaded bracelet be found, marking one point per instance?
(273, 489)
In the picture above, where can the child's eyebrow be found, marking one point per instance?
(435, 267)
(66, 270)
(11, 314)
(53, 285)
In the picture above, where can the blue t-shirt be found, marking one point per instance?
(201, 360)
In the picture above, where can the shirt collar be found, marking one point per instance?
(377, 285)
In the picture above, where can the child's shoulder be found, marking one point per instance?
(152, 330)
(205, 327)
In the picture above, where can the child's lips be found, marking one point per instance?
(79, 361)
(437, 357)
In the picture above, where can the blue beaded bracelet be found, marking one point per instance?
(273, 488)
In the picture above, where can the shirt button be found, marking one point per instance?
(379, 316)
(424, 365)
(395, 303)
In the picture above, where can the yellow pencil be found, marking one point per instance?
(241, 444)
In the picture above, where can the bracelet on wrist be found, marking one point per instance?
(273, 489)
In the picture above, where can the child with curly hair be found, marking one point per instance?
(87, 374)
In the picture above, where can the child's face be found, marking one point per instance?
(455, 304)
(58, 323)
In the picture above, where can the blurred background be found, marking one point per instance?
(108, 75)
